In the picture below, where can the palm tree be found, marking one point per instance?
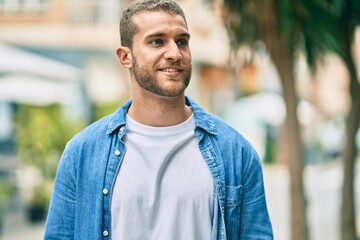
(316, 27)
(349, 18)
(336, 22)
(265, 19)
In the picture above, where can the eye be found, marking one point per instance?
(156, 42)
(182, 42)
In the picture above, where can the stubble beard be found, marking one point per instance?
(148, 80)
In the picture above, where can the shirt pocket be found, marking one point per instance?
(233, 208)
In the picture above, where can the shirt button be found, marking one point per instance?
(117, 152)
(105, 233)
(105, 191)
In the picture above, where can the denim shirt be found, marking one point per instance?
(80, 203)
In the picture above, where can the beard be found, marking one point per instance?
(170, 87)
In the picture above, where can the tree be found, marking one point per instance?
(42, 133)
(349, 18)
(316, 27)
(265, 19)
(280, 43)
(337, 24)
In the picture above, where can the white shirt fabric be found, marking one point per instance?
(164, 189)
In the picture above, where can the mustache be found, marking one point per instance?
(168, 63)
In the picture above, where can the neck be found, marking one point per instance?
(157, 111)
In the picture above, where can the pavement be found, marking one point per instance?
(17, 227)
(322, 186)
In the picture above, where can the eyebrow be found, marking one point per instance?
(161, 34)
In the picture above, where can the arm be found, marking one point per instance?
(61, 216)
(255, 220)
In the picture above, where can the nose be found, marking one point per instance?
(172, 52)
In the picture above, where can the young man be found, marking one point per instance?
(160, 167)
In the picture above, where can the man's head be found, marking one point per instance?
(155, 48)
(128, 28)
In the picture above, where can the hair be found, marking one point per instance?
(128, 28)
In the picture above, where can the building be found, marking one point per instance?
(81, 36)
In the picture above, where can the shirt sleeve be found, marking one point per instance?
(61, 215)
(255, 220)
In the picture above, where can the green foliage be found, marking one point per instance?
(288, 24)
(42, 133)
(352, 10)
(316, 26)
(6, 190)
(40, 195)
(241, 21)
(102, 109)
(321, 28)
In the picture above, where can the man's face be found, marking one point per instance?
(161, 58)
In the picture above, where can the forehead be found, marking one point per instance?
(154, 21)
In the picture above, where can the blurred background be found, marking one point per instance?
(283, 73)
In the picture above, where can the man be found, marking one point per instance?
(160, 167)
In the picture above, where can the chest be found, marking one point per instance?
(173, 170)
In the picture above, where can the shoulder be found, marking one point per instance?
(217, 127)
(235, 150)
(229, 135)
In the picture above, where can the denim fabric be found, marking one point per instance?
(80, 203)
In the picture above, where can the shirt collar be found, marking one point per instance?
(203, 119)
(118, 118)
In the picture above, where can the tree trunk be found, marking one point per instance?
(348, 221)
(281, 51)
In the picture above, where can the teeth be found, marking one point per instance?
(170, 70)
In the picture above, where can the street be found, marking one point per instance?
(323, 188)
(323, 184)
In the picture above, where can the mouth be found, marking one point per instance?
(170, 70)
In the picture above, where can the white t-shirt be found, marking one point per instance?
(164, 189)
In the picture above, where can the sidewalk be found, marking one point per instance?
(323, 185)
(17, 227)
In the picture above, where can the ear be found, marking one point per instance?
(124, 56)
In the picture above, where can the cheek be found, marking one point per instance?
(149, 58)
(186, 57)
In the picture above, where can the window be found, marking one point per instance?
(23, 6)
(93, 11)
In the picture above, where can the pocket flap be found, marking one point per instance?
(233, 195)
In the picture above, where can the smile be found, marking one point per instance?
(170, 70)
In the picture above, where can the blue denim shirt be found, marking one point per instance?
(80, 203)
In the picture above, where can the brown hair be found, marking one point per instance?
(128, 28)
